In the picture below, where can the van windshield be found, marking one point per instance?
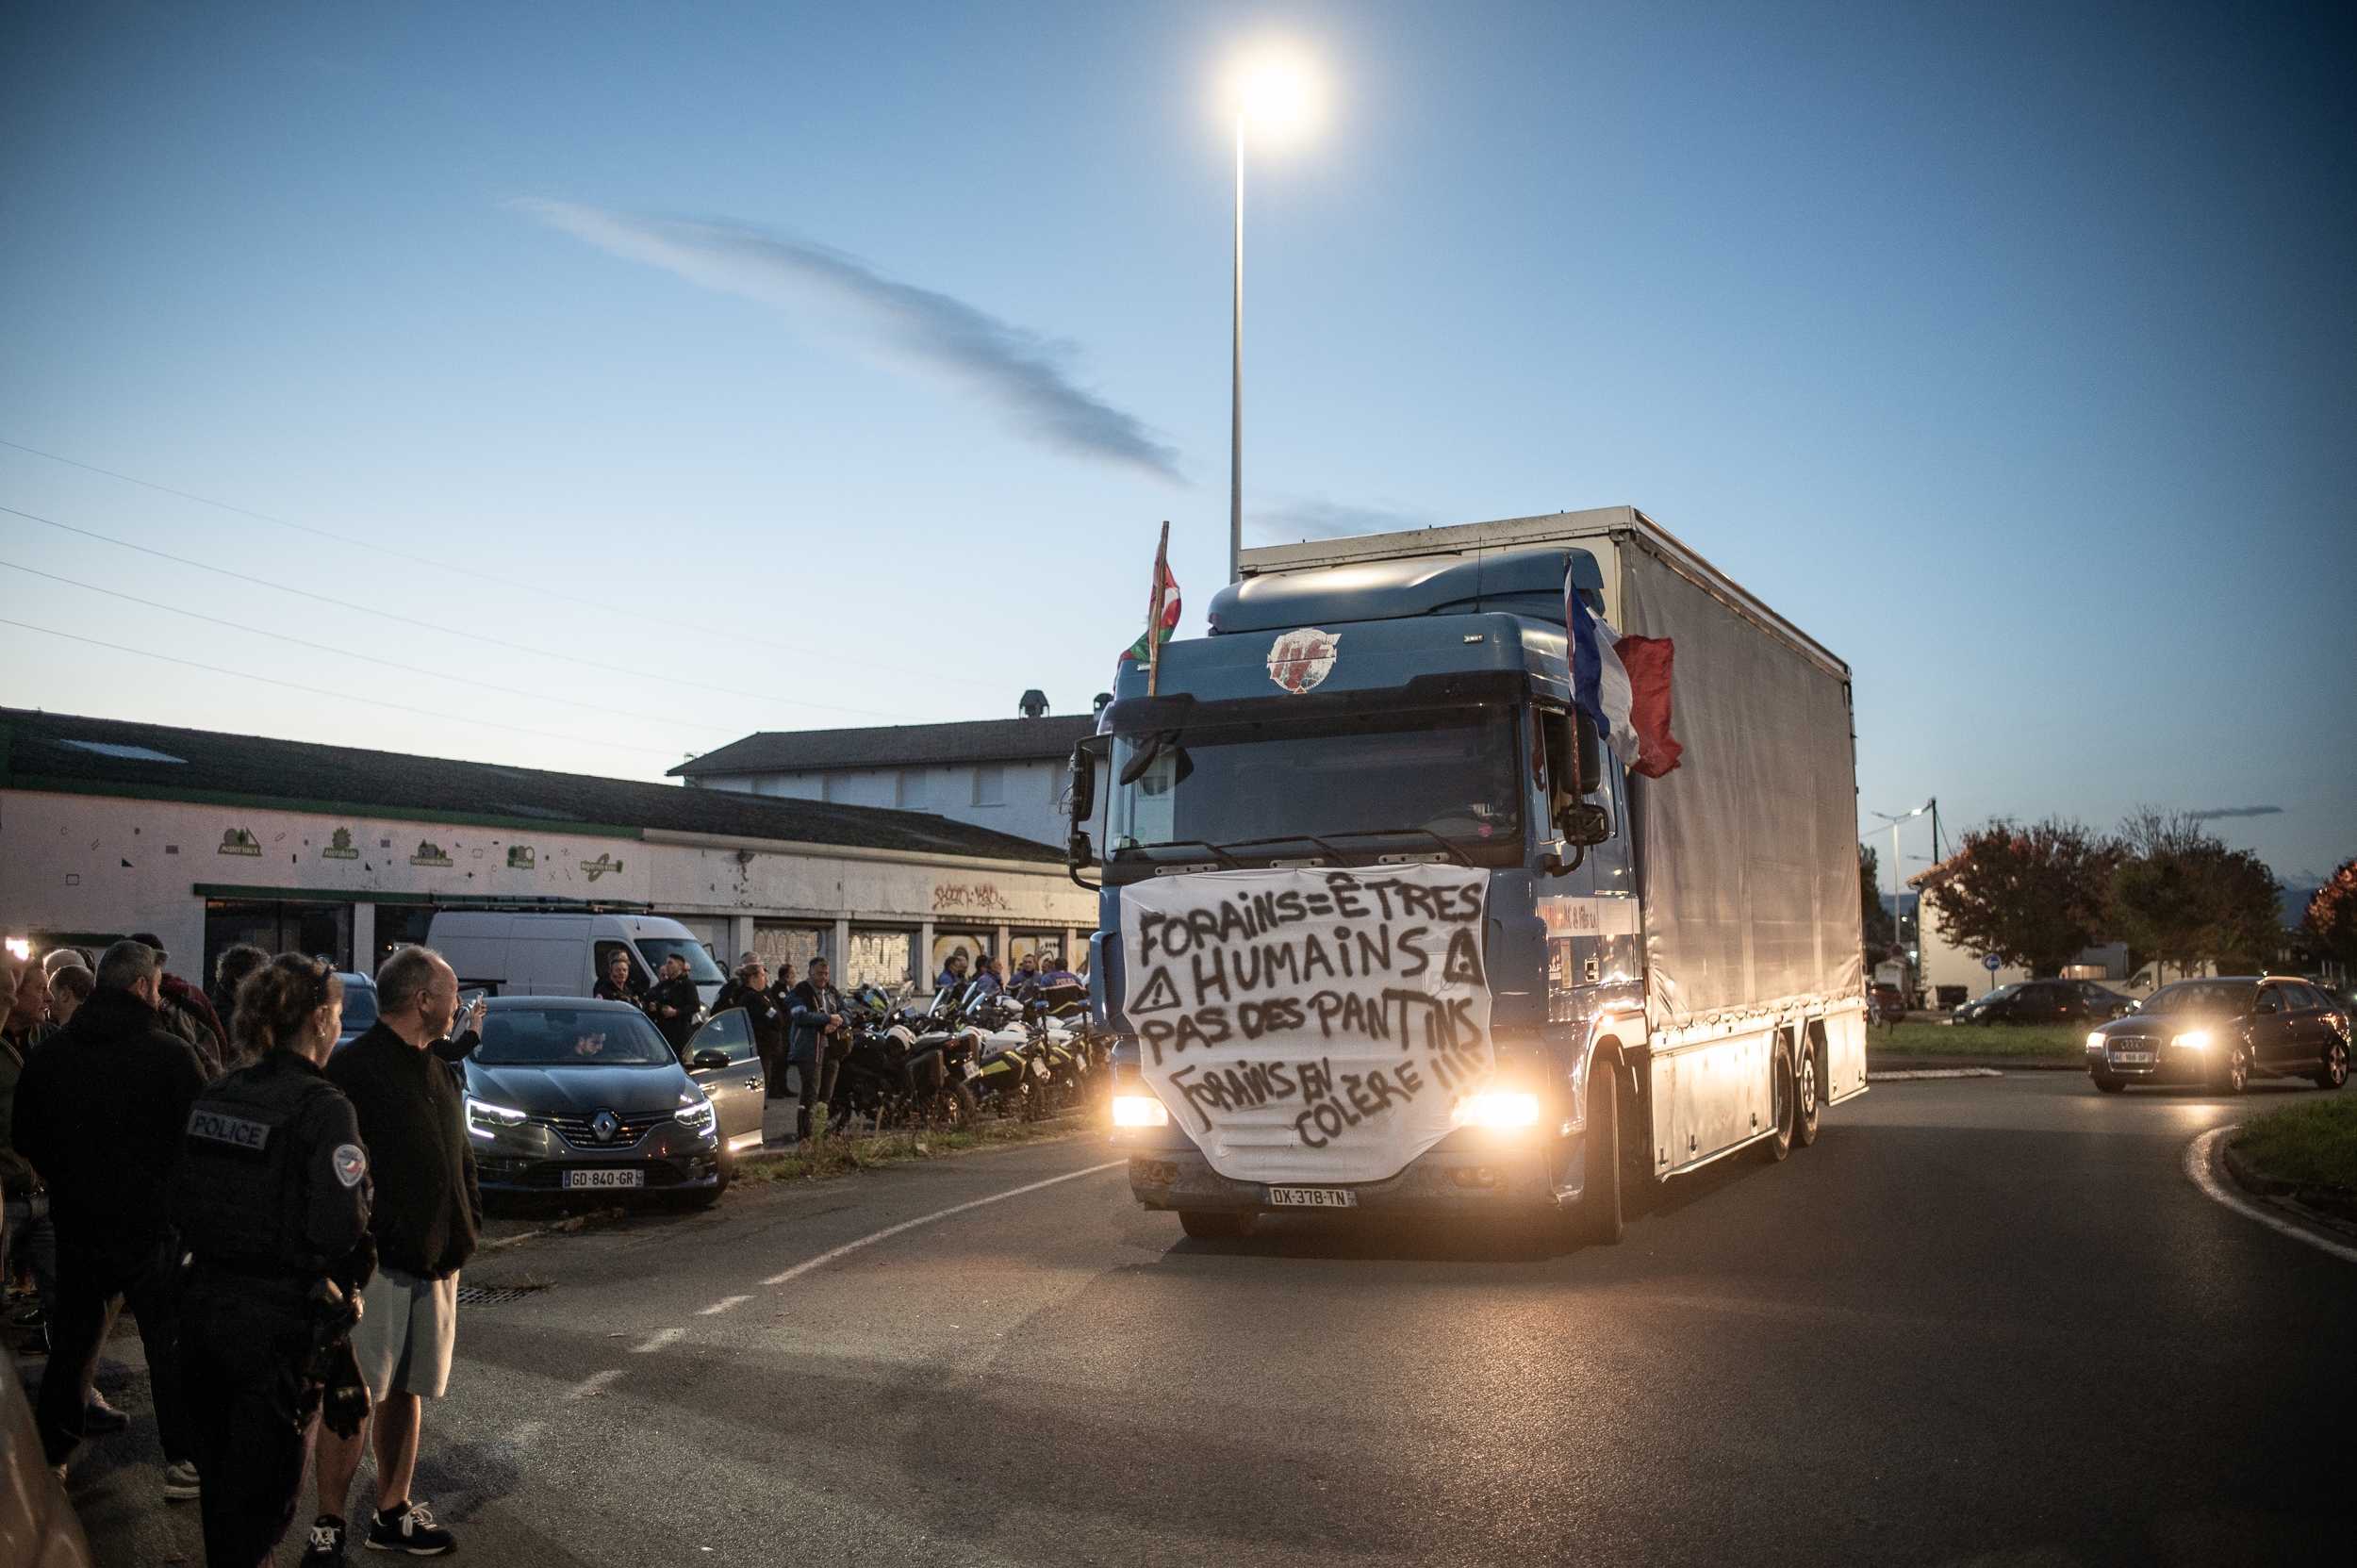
(659, 951)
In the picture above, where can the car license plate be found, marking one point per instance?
(2133, 1058)
(605, 1178)
(1312, 1198)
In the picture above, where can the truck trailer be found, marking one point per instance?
(1383, 927)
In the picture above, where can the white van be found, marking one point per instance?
(533, 954)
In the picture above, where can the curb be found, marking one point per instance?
(1917, 1075)
(2202, 1159)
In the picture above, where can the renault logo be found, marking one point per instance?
(603, 1126)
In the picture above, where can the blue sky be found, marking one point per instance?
(722, 367)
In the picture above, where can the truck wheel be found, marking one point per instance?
(1804, 1123)
(1216, 1225)
(1596, 1219)
(1784, 1103)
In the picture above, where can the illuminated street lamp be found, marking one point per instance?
(1274, 92)
(1898, 886)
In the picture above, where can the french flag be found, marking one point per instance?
(1623, 683)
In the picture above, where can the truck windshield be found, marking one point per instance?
(1451, 772)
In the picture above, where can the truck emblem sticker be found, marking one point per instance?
(340, 848)
(1311, 1026)
(1299, 660)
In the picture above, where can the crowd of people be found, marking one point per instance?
(285, 1221)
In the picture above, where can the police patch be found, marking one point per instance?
(351, 1163)
(221, 1128)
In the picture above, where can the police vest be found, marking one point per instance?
(244, 1192)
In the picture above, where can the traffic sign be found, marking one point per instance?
(1991, 962)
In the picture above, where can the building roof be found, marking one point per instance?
(65, 754)
(982, 740)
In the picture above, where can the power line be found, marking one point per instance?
(345, 696)
(371, 658)
(445, 630)
(473, 572)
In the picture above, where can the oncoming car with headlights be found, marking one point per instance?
(568, 1096)
(2222, 1034)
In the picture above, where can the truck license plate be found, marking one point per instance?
(2134, 1057)
(1312, 1198)
(605, 1178)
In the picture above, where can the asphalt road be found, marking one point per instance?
(1985, 1321)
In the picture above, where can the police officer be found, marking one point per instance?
(272, 1199)
(674, 1003)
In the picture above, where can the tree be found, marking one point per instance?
(2034, 896)
(2182, 896)
(1876, 925)
(2330, 927)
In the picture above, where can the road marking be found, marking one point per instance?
(722, 1306)
(2198, 1158)
(667, 1336)
(889, 1232)
(1916, 1073)
(595, 1383)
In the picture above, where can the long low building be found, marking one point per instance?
(207, 839)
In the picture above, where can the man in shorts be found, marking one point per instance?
(427, 1220)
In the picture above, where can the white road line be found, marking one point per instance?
(2199, 1157)
(595, 1382)
(663, 1337)
(721, 1306)
(826, 1257)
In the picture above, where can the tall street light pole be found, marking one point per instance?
(1235, 450)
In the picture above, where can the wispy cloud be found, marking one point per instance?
(2215, 813)
(1018, 372)
(1313, 518)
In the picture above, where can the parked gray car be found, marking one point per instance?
(568, 1094)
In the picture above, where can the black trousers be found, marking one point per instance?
(817, 1085)
(255, 1420)
(97, 1277)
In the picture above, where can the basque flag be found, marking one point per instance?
(1623, 683)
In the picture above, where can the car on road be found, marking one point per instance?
(2046, 1002)
(568, 1094)
(2222, 1034)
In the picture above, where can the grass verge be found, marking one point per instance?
(1965, 1040)
(2311, 1142)
(842, 1155)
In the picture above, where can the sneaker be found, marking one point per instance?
(99, 1418)
(411, 1529)
(326, 1549)
(180, 1483)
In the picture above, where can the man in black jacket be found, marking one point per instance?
(673, 1002)
(427, 1219)
(100, 1109)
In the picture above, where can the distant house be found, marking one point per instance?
(1005, 774)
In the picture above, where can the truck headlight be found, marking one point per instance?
(1501, 1110)
(2193, 1039)
(1139, 1111)
(485, 1119)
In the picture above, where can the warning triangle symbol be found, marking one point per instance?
(1463, 963)
(1160, 995)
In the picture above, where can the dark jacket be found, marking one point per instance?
(429, 1211)
(812, 1007)
(760, 1010)
(16, 1172)
(629, 991)
(100, 1109)
(686, 1002)
(188, 1013)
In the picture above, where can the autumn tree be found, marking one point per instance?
(2330, 927)
(2182, 896)
(2034, 895)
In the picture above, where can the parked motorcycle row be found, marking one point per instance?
(969, 1054)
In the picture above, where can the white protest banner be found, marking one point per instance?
(1310, 1026)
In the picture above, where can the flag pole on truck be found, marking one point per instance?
(1161, 616)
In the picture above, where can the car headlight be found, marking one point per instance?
(485, 1119)
(696, 1114)
(2193, 1039)
(1139, 1111)
(2095, 1042)
(1501, 1109)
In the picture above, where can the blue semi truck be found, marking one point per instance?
(1382, 926)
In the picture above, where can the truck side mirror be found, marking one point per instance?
(1083, 785)
(1575, 770)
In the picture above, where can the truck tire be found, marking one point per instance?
(1596, 1219)
(1217, 1225)
(1783, 1102)
(1811, 1093)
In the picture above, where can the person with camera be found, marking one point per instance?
(272, 1197)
